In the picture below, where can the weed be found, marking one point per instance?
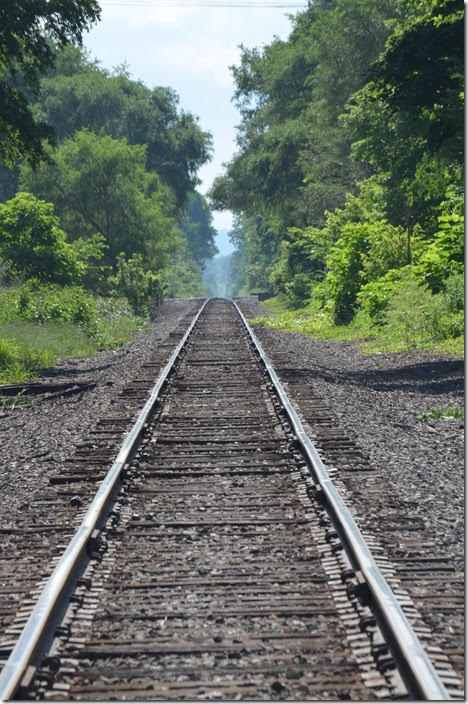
(28, 346)
(446, 413)
(6, 402)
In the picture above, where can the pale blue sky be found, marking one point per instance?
(189, 49)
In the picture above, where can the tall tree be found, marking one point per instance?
(99, 185)
(293, 162)
(78, 94)
(30, 30)
(407, 121)
(197, 228)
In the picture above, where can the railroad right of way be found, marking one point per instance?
(219, 573)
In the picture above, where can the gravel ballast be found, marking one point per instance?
(41, 431)
(378, 399)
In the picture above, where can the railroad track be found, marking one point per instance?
(217, 561)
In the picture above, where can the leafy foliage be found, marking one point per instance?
(300, 264)
(445, 255)
(347, 272)
(293, 161)
(40, 324)
(100, 185)
(197, 228)
(32, 245)
(443, 413)
(350, 152)
(407, 121)
(40, 302)
(79, 95)
(29, 32)
(139, 286)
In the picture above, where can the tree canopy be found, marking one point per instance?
(348, 173)
(77, 94)
(32, 244)
(30, 32)
(100, 185)
(120, 171)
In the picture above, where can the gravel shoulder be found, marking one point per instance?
(42, 431)
(378, 399)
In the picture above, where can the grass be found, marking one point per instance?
(118, 330)
(26, 347)
(41, 324)
(6, 402)
(310, 320)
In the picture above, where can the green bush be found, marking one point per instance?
(454, 293)
(139, 286)
(300, 265)
(374, 297)
(35, 330)
(443, 413)
(417, 316)
(42, 302)
(32, 243)
(364, 253)
(445, 255)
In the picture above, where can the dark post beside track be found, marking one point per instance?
(219, 573)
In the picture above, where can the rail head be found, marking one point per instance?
(36, 629)
(417, 670)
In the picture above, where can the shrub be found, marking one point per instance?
(32, 243)
(416, 316)
(454, 293)
(140, 287)
(374, 297)
(300, 265)
(364, 253)
(445, 255)
(42, 302)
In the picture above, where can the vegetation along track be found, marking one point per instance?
(219, 572)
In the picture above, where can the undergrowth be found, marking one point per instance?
(414, 319)
(40, 324)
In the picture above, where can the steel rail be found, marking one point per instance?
(31, 640)
(418, 672)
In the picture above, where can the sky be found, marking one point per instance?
(190, 49)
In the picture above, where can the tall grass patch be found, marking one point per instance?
(41, 324)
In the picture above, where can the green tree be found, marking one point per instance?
(293, 158)
(197, 228)
(29, 32)
(293, 163)
(140, 286)
(407, 121)
(99, 185)
(445, 256)
(78, 94)
(184, 275)
(32, 245)
(364, 252)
